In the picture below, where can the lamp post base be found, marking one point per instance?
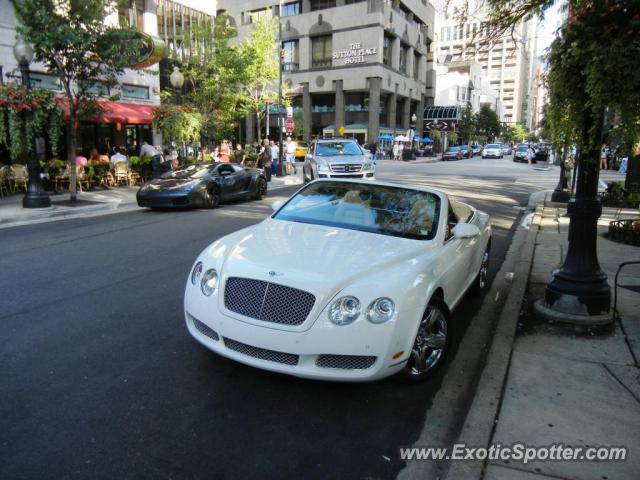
(36, 200)
(600, 321)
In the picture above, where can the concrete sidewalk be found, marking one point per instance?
(92, 203)
(563, 387)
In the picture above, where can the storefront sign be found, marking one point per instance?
(355, 53)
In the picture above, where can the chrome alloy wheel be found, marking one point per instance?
(429, 345)
(484, 271)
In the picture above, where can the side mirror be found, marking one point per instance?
(275, 206)
(465, 230)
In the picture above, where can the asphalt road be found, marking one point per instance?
(100, 379)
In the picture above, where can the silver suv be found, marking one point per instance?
(337, 158)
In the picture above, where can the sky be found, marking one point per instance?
(547, 27)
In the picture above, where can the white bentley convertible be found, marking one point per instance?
(347, 280)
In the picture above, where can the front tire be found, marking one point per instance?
(431, 343)
(211, 198)
(261, 189)
(481, 282)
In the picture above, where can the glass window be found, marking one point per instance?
(387, 50)
(320, 4)
(43, 80)
(416, 65)
(462, 211)
(131, 14)
(383, 210)
(290, 56)
(290, 9)
(331, 149)
(134, 91)
(256, 14)
(404, 52)
(321, 51)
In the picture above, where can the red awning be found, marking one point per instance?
(132, 113)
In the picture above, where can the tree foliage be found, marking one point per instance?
(487, 122)
(71, 39)
(214, 76)
(467, 127)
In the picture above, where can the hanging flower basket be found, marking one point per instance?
(25, 114)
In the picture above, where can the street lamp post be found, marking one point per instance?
(280, 149)
(35, 196)
(177, 81)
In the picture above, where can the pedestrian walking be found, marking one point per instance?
(225, 151)
(396, 151)
(530, 154)
(373, 148)
(239, 155)
(291, 156)
(274, 157)
(267, 159)
(603, 157)
(156, 158)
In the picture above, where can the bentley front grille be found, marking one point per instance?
(266, 301)
(345, 362)
(204, 329)
(261, 353)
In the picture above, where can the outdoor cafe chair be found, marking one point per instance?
(19, 177)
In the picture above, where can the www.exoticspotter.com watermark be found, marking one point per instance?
(517, 452)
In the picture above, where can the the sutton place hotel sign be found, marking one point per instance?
(354, 54)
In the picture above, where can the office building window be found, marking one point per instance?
(320, 4)
(290, 9)
(416, 65)
(131, 14)
(254, 15)
(404, 52)
(387, 50)
(178, 26)
(321, 51)
(290, 56)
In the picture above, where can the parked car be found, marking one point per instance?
(506, 149)
(312, 303)
(452, 153)
(541, 155)
(203, 185)
(521, 153)
(301, 151)
(466, 150)
(477, 150)
(492, 150)
(337, 158)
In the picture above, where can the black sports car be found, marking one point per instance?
(203, 185)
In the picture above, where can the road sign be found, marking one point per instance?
(341, 130)
(289, 125)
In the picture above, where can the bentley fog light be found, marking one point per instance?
(209, 282)
(344, 310)
(196, 272)
(381, 310)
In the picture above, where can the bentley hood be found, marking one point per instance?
(319, 259)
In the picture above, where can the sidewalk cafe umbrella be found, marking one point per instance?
(401, 138)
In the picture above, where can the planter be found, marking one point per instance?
(626, 231)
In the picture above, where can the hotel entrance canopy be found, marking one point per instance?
(444, 118)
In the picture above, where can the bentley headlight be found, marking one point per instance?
(209, 282)
(323, 166)
(344, 310)
(381, 310)
(196, 272)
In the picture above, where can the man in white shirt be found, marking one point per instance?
(156, 158)
(118, 157)
(290, 149)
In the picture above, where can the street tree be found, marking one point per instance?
(594, 72)
(260, 55)
(467, 127)
(487, 122)
(214, 72)
(75, 44)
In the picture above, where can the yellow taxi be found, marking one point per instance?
(301, 150)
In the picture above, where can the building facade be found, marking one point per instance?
(506, 63)
(364, 65)
(127, 121)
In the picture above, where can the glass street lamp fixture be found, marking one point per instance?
(177, 81)
(35, 196)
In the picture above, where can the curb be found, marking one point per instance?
(450, 406)
(482, 415)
